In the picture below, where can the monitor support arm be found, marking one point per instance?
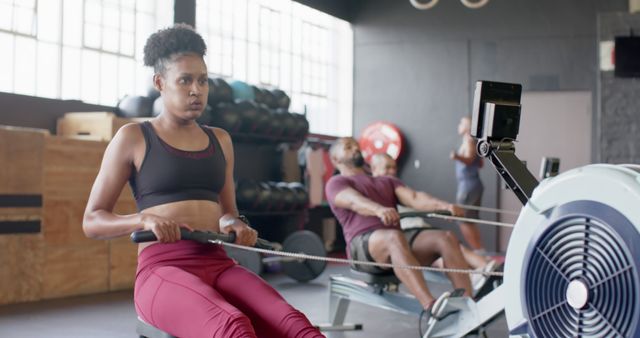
(511, 169)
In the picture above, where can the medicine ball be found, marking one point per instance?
(276, 123)
(301, 195)
(135, 106)
(206, 117)
(249, 114)
(288, 196)
(302, 125)
(225, 115)
(269, 99)
(277, 197)
(242, 91)
(264, 201)
(263, 120)
(219, 91)
(257, 94)
(288, 123)
(247, 193)
(282, 99)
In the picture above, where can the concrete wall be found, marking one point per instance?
(618, 115)
(416, 69)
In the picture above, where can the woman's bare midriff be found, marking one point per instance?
(197, 214)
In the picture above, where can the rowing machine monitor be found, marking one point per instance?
(495, 123)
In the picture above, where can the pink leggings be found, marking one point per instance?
(195, 290)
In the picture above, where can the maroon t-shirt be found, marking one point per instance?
(379, 189)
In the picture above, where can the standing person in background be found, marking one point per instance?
(470, 187)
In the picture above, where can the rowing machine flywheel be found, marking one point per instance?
(573, 262)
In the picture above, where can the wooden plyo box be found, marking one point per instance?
(60, 260)
(75, 264)
(21, 254)
(99, 126)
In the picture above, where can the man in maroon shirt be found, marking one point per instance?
(365, 206)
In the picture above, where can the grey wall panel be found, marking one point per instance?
(184, 11)
(538, 64)
(410, 82)
(499, 19)
(619, 99)
(417, 69)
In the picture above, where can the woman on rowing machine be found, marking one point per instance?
(181, 174)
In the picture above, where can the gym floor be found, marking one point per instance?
(112, 315)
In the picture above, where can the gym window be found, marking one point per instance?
(109, 26)
(18, 16)
(284, 44)
(89, 50)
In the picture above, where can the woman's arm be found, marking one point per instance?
(228, 192)
(462, 158)
(229, 221)
(466, 157)
(467, 154)
(99, 220)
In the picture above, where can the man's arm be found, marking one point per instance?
(422, 201)
(349, 198)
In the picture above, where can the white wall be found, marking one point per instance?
(552, 124)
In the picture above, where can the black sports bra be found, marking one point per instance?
(168, 174)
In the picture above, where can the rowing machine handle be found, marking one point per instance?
(441, 212)
(424, 214)
(198, 236)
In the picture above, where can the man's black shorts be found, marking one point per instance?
(359, 249)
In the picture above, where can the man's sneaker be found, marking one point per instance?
(437, 311)
(478, 280)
